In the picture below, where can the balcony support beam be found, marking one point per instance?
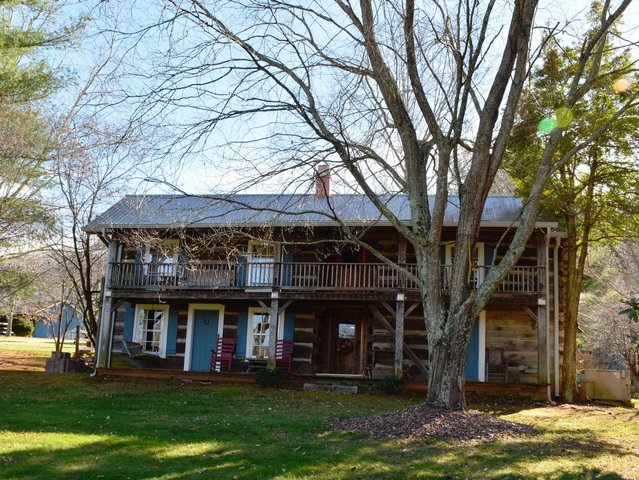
(409, 351)
(105, 328)
(399, 335)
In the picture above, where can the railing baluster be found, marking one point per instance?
(306, 275)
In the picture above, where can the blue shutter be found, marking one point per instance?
(171, 334)
(287, 273)
(472, 355)
(129, 319)
(139, 269)
(242, 327)
(289, 326)
(242, 271)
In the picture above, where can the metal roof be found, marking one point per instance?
(197, 211)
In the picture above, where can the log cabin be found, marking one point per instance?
(183, 271)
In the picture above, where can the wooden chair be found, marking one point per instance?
(222, 355)
(284, 354)
(496, 367)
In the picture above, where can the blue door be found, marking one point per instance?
(205, 326)
(472, 357)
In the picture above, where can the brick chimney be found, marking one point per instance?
(323, 181)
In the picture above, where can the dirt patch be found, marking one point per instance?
(428, 422)
(21, 361)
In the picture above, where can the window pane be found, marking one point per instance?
(152, 329)
(346, 330)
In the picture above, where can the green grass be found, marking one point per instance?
(73, 426)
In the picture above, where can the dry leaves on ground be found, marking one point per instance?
(425, 421)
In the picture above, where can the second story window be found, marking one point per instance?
(261, 262)
(161, 259)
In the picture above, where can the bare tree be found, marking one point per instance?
(614, 279)
(391, 94)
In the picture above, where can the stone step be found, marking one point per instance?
(330, 388)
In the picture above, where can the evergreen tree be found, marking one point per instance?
(29, 31)
(594, 194)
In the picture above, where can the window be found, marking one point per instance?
(151, 327)
(261, 258)
(162, 261)
(346, 330)
(478, 271)
(259, 332)
(128, 253)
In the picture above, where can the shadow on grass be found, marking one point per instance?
(73, 427)
(336, 457)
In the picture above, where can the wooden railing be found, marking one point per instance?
(318, 276)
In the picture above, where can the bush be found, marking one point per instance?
(389, 385)
(22, 327)
(269, 377)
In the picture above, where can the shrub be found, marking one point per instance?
(389, 385)
(269, 377)
(22, 327)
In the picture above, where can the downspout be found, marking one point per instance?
(547, 310)
(556, 311)
(97, 354)
(111, 331)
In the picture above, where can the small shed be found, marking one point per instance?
(46, 325)
(595, 384)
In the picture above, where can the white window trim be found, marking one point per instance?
(169, 264)
(249, 329)
(190, 324)
(481, 272)
(448, 261)
(251, 257)
(169, 242)
(137, 330)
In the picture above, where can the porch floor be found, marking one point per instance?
(529, 391)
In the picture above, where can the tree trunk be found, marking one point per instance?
(447, 364)
(578, 242)
(573, 291)
(446, 375)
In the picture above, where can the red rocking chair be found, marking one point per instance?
(284, 354)
(222, 355)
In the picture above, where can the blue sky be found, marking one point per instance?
(208, 170)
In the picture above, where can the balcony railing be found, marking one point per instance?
(316, 276)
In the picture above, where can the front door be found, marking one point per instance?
(343, 344)
(205, 324)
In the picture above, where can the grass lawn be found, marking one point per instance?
(27, 353)
(75, 426)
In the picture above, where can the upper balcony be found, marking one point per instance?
(299, 277)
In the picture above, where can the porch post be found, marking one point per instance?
(542, 305)
(399, 309)
(272, 337)
(104, 340)
(399, 335)
(277, 263)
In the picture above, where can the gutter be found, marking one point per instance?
(555, 265)
(102, 228)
